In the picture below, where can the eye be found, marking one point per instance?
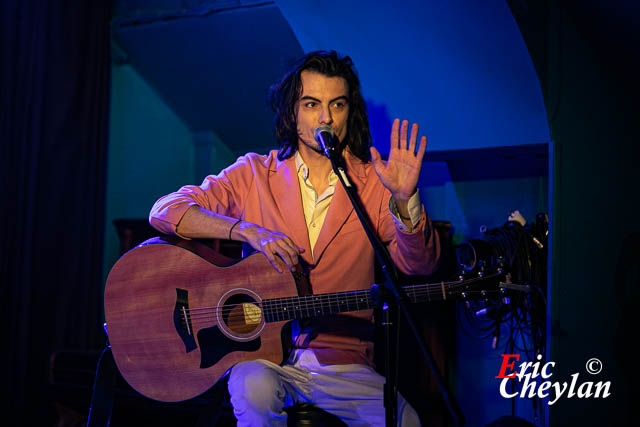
(339, 105)
(310, 104)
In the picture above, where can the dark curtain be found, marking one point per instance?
(55, 102)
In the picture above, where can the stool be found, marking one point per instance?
(308, 414)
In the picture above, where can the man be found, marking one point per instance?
(288, 205)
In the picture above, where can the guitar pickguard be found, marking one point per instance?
(182, 322)
(214, 345)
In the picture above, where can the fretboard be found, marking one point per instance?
(280, 309)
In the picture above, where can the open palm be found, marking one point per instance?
(400, 173)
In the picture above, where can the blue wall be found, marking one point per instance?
(150, 153)
(459, 68)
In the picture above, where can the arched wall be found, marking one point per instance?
(460, 68)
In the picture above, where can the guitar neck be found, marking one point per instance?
(280, 309)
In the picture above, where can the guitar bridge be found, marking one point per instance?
(182, 320)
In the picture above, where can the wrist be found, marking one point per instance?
(402, 208)
(406, 211)
(233, 230)
(403, 198)
(244, 231)
(404, 217)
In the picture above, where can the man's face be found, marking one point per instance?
(323, 101)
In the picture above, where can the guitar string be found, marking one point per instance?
(307, 302)
(430, 289)
(282, 302)
(274, 309)
(275, 316)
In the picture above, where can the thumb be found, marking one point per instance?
(375, 157)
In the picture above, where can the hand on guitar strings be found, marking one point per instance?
(270, 243)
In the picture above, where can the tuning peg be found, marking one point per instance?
(462, 269)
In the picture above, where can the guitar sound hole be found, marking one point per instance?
(242, 314)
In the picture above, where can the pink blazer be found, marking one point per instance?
(263, 190)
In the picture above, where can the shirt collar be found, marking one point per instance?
(303, 171)
(301, 167)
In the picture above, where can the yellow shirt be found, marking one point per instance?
(315, 207)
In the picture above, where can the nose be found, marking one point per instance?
(325, 116)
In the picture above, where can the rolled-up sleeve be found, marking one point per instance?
(416, 251)
(223, 193)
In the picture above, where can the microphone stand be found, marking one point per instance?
(390, 305)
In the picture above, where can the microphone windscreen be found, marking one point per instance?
(322, 129)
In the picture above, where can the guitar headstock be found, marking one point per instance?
(480, 283)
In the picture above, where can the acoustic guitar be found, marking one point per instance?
(179, 315)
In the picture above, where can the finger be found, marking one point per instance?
(394, 134)
(272, 259)
(284, 243)
(403, 134)
(266, 246)
(376, 159)
(291, 247)
(379, 165)
(286, 257)
(414, 138)
(422, 148)
(293, 251)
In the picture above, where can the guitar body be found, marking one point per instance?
(180, 315)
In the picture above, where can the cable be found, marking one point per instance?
(521, 249)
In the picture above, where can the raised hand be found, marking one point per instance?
(270, 243)
(401, 172)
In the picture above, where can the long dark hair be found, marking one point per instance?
(284, 95)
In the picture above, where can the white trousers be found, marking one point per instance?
(261, 389)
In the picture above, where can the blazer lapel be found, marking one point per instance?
(283, 181)
(340, 207)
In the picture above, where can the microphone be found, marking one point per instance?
(325, 138)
